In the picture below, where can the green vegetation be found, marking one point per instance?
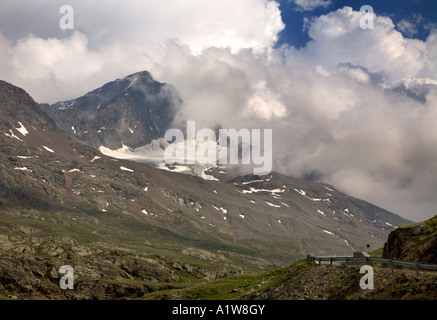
(376, 253)
(239, 287)
(5, 296)
(426, 230)
(400, 289)
(429, 230)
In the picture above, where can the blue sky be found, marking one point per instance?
(421, 13)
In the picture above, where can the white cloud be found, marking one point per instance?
(264, 103)
(59, 69)
(236, 24)
(114, 38)
(308, 5)
(337, 38)
(331, 104)
(407, 28)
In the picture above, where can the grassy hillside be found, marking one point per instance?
(414, 242)
(306, 281)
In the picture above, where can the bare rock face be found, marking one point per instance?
(131, 111)
(414, 242)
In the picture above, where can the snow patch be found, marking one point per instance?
(328, 232)
(273, 205)
(22, 129)
(48, 149)
(224, 210)
(349, 215)
(22, 169)
(254, 190)
(253, 181)
(207, 176)
(177, 168)
(300, 191)
(126, 169)
(12, 135)
(135, 78)
(321, 212)
(389, 224)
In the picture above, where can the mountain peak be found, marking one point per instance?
(17, 105)
(113, 90)
(132, 111)
(13, 95)
(144, 75)
(134, 81)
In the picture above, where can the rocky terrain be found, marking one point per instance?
(415, 242)
(129, 229)
(306, 281)
(131, 111)
(29, 269)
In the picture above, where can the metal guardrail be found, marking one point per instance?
(368, 260)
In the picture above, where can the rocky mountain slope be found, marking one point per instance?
(128, 227)
(415, 242)
(131, 111)
(306, 281)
